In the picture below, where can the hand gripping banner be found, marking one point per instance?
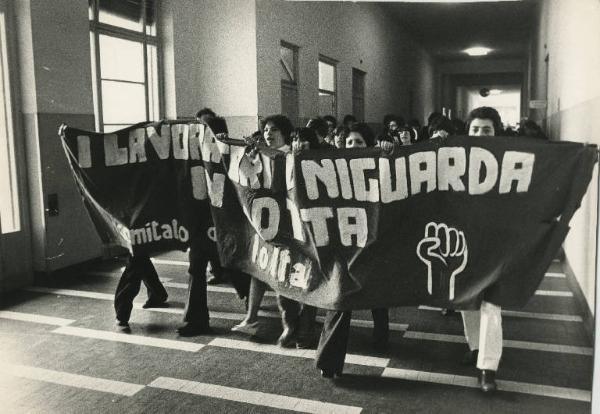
(444, 222)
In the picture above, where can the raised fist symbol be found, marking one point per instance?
(444, 251)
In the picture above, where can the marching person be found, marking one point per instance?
(139, 269)
(483, 327)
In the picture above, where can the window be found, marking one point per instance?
(327, 87)
(125, 67)
(9, 201)
(288, 59)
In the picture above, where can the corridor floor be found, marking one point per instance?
(61, 354)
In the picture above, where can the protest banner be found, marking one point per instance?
(444, 222)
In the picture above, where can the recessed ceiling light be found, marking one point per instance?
(495, 91)
(477, 51)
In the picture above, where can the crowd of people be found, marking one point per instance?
(483, 327)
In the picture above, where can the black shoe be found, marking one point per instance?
(306, 344)
(470, 357)
(448, 312)
(122, 326)
(487, 380)
(155, 304)
(331, 373)
(194, 330)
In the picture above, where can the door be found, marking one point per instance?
(15, 237)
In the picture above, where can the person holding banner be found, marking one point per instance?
(139, 269)
(331, 351)
(483, 327)
(276, 132)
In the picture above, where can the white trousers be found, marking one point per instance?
(483, 330)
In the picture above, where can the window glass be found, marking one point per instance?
(326, 76)
(154, 106)
(9, 196)
(121, 13)
(121, 59)
(123, 102)
(288, 63)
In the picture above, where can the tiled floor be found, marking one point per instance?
(60, 354)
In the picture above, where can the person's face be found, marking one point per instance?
(340, 141)
(355, 140)
(204, 118)
(299, 144)
(273, 136)
(393, 126)
(481, 127)
(330, 127)
(405, 137)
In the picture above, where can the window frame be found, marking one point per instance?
(98, 28)
(331, 62)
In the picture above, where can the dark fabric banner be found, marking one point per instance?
(443, 222)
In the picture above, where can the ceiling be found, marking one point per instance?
(445, 29)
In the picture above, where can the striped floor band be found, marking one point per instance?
(521, 314)
(253, 397)
(471, 382)
(31, 317)
(128, 338)
(72, 380)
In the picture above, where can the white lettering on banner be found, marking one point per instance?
(347, 229)
(424, 171)
(482, 158)
(276, 261)
(137, 146)
(179, 136)
(452, 164)
(317, 217)
(199, 187)
(295, 219)
(516, 166)
(113, 155)
(362, 192)
(154, 231)
(84, 153)
(265, 205)
(216, 187)
(162, 142)
(195, 140)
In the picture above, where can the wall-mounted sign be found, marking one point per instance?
(538, 104)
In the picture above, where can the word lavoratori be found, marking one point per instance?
(392, 179)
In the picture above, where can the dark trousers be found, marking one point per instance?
(139, 269)
(196, 309)
(333, 343)
(298, 317)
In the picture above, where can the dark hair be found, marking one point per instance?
(217, 125)
(459, 126)
(283, 123)
(205, 111)
(531, 125)
(432, 116)
(306, 134)
(391, 117)
(330, 118)
(441, 123)
(486, 112)
(349, 118)
(341, 130)
(414, 123)
(365, 131)
(411, 131)
(318, 125)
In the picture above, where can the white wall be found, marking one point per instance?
(210, 59)
(573, 108)
(359, 35)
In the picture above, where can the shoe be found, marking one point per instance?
(155, 304)
(287, 340)
(470, 357)
(247, 328)
(448, 312)
(306, 343)
(123, 327)
(487, 380)
(214, 280)
(330, 373)
(190, 329)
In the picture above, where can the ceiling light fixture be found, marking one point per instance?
(477, 51)
(495, 91)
